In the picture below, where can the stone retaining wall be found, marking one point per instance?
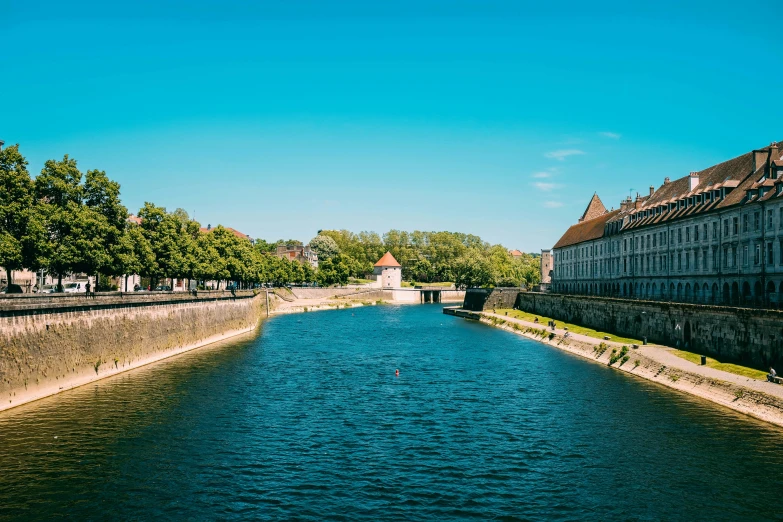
(747, 336)
(478, 299)
(54, 344)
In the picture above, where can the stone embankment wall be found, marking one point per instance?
(478, 299)
(49, 344)
(750, 337)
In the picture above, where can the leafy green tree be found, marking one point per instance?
(324, 246)
(21, 233)
(163, 230)
(333, 271)
(59, 192)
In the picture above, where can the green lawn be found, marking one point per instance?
(409, 284)
(543, 320)
(726, 367)
(358, 281)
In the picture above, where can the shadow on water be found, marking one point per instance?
(307, 420)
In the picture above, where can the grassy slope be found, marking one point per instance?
(543, 320)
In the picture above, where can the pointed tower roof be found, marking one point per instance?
(594, 209)
(387, 260)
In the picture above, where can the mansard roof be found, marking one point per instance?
(594, 209)
(586, 230)
(737, 176)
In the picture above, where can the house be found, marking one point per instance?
(303, 254)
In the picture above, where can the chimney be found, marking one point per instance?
(760, 158)
(694, 180)
(666, 180)
(209, 227)
(652, 190)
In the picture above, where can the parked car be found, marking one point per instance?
(74, 287)
(163, 288)
(12, 289)
(48, 289)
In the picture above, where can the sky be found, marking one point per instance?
(495, 118)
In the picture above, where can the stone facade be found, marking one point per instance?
(546, 267)
(715, 236)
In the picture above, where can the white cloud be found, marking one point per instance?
(540, 185)
(612, 135)
(542, 175)
(562, 154)
(552, 204)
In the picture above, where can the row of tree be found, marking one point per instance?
(67, 222)
(429, 257)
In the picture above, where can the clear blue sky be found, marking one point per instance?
(494, 118)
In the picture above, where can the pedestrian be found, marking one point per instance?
(87, 288)
(772, 374)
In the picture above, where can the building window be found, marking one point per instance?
(705, 230)
(770, 253)
(745, 255)
(696, 233)
(715, 260)
(726, 227)
(654, 238)
(714, 230)
(679, 235)
(735, 222)
(757, 254)
(704, 260)
(688, 235)
(725, 256)
(679, 261)
(745, 223)
(687, 260)
(755, 221)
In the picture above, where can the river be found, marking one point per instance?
(306, 420)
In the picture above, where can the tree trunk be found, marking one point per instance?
(126, 282)
(59, 282)
(9, 274)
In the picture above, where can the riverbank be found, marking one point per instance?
(759, 399)
(48, 346)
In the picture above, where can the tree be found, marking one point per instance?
(324, 246)
(333, 271)
(19, 241)
(107, 215)
(58, 190)
(162, 230)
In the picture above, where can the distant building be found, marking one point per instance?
(388, 271)
(713, 236)
(515, 253)
(546, 267)
(303, 254)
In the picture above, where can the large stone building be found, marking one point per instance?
(714, 236)
(388, 272)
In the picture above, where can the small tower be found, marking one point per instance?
(388, 271)
(546, 266)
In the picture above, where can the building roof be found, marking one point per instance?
(515, 253)
(741, 180)
(134, 219)
(594, 209)
(232, 230)
(387, 260)
(586, 230)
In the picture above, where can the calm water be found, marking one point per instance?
(307, 421)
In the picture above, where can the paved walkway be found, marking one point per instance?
(662, 355)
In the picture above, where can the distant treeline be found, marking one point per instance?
(68, 222)
(429, 257)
